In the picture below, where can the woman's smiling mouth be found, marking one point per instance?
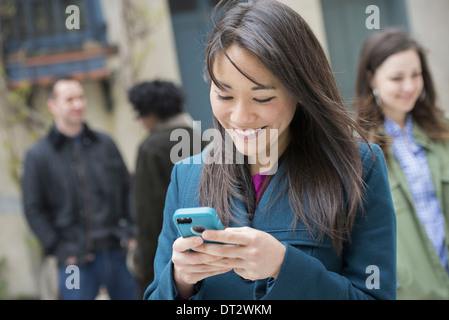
(248, 133)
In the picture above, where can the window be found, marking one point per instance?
(39, 25)
(37, 44)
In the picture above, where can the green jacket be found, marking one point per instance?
(150, 183)
(420, 274)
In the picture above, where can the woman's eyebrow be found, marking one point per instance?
(224, 85)
(257, 87)
(263, 87)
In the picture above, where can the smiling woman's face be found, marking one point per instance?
(250, 112)
(400, 83)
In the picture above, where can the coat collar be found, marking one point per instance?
(395, 172)
(263, 207)
(420, 136)
(57, 139)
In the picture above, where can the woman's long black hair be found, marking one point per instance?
(323, 165)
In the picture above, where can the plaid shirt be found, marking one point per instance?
(412, 159)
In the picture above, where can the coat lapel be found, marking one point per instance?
(273, 201)
(396, 173)
(432, 162)
(265, 202)
(397, 177)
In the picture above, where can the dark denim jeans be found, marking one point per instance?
(108, 269)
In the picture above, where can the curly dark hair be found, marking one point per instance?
(161, 98)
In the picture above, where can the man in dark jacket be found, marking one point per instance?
(76, 195)
(160, 108)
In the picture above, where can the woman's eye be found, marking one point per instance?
(224, 98)
(263, 100)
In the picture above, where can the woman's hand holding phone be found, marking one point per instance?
(193, 266)
(255, 255)
(206, 249)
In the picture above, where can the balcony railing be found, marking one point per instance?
(37, 43)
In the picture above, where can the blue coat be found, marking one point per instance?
(366, 268)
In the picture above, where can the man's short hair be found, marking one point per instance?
(51, 87)
(161, 98)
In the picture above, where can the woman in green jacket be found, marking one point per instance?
(395, 104)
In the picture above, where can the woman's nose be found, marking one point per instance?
(242, 114)
(410, 85)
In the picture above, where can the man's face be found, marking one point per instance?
(68, 103)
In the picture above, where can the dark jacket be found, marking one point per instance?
(151, 180)
(77, 196)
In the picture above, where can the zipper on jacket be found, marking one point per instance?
(85, 195)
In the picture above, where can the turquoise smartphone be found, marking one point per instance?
(194, 221)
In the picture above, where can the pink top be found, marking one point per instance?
(258, 180)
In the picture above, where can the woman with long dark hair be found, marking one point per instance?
(316, 221)
(396, 106)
